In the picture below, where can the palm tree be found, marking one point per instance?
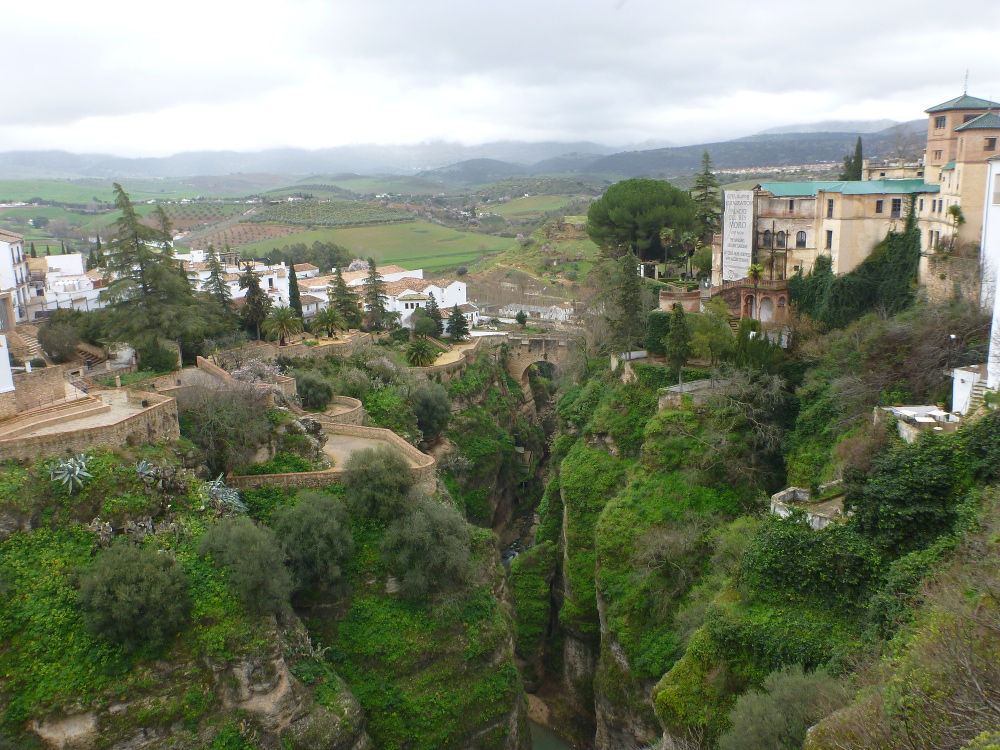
(755, 273)
(331, 320)
(957, 219)
(421, 353)
(282, 322)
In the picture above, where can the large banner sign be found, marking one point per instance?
(737, 234)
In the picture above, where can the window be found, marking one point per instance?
(270, 283)
(920, 173)
(940, 121)
(897, 207)
(921, 206)
(800, 239)
(882, 175)
(937, 155)
(829, 239)
(779, 240)
(829, 208)
(767, 238)
(990, 145)
(791, 203)
(878, 206)
(930, 239)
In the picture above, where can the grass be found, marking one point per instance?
(411, 245)
(376, 184)
(86, 191)
(530, 207)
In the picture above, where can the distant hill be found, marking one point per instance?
(566, 164)
(762, 150)
(834, 126)
(474, 172)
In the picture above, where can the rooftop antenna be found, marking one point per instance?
(965, 91)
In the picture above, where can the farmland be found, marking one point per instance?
(241, 234)
(531, 207)
(327, 213)
(374, 185)
(415, 244)
(84, 192)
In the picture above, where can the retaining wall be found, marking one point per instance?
(268, 350)
(32, 390)
(423, 473)
(156, 422)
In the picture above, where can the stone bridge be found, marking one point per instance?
(527, 350)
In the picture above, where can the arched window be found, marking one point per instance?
(779, 240)
(800, 239)
(767, 238)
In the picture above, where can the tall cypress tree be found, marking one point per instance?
(258, 304)
(627, 316)
(854, 163)
(341, 297)
(677, 343)
(34, 253)
(375, 297)
(706, 196)
(215, 285)
(434, 313)
(294, 301)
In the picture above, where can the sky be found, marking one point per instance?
(154, 79)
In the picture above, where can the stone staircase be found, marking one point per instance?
(977, 398)
(23, 343)
(55, 413)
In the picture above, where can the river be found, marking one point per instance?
(545, 739)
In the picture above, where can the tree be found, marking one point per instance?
(59, 339)
(378, 481)
(294, 299)
(428, 548)
(215, 285)
(228, 425)
(315, 535)
(253, 560)
(341, 297)
(282, 322)
(755, 273)
(521, 318)
(40, 222)
(458, 326)
(626, 309)
(712, 336)
(149, 295)
(314, 390)
(258, 304)
(706, 195)
(957, 218)
(677, 345)
(421, 353)
(432, 408)
(853, 164)
(423, 324)
(34, 253)
(434, 313)
(630, 215)
(375, 297)
(134, 596)
(330, 319)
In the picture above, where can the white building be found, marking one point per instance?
(14, 280)
(990, 258)
(273, 277)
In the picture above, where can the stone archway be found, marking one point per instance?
(526, 351)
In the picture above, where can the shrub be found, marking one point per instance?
(38, 362)
(59, 340)
(779, 716)
(228, 425)
(253, 561)
(160, 359)
(432, 408)
(134, 596)
(378, 481)
(425, 326)
(316, 538)
(314, 390)
(282, 463)
(428, 548)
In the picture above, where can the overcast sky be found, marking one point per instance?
(153, 79)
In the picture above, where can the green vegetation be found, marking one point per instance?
(327, 213)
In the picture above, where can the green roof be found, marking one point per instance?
(949, 165)
(988, 121)
(964, 102)
(852, 187)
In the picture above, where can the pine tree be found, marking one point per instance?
(341, 297)
(98, 253)
(258, 304)
(294, 300)
(215, 285)
(148, 299)
(706, 195)
(677, 343)
(434, 313)
(34, 253)
(458, 326)
(626, 314)
(854, 163)
(375, 297)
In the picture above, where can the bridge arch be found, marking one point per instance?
(527, 350)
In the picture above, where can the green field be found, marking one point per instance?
(92, 191)
(531, 207)
(326, 213)
(411, 245)
(376, 184)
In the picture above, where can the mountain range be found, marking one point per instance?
(469, 165)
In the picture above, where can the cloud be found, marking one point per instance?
(134, 79)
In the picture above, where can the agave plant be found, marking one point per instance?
(225, 501)
(70, 472)
(146, 472)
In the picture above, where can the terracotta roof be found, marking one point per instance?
(350, 276)
(308, 299)
(395, 288)
(191, 265)
(95, 273)
(316, 282)
(305, 267)
(466, 308)
(227, 277)
(10, 236)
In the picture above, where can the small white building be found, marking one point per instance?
(14, 281)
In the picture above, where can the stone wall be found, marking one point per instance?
(32, 390)
(944, 278)
(355, 414)
(156, 422)
(423, 473)
(269, 350)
